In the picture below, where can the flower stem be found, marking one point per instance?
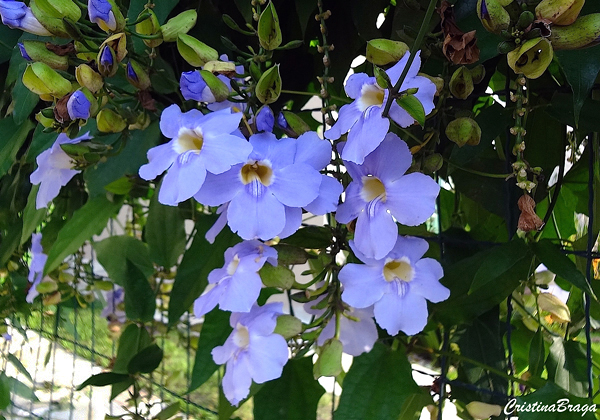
(474, 172)
(411, 58)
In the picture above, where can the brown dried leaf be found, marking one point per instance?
(528, 220)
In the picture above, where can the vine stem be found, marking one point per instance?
(411, 58)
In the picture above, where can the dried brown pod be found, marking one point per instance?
(528, 220)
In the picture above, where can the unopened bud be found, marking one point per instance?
(464, 131)
(385, 51)
(37, 51)
(461, 83)
(45, 81)
(195, 52)
(109, 121)
(532, 58)
(88, 78)
(149, 27)
(137, 75)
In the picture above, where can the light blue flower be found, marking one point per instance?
(55, 170)
(213, 105)
(115, 305)
(381, 192)
(101, 13)
(267, 193)
(193, 86)
(265, 120)
(363, 117)
(397, 285)
(16, 15)
(200, 144)
(237, 283)
(36, 269)
(252, 352)
(78, 106)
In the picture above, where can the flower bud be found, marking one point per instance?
(265, 119)
(269, 32)
(53, 299)
(149, 26)
(559, 312)
(559, 12)
(107, 62)
(385, 51)
(195, 52)
(432, 163)
(477, 73)
(268, 87)
(288, 326)
(37, 51)
(88, 78)
(109, 121)
(329, 362)
(192, 86)
(45, 121)
(532, 58)
(584, 32)
(480, 410)
(46, 286)
(82, 104)
(493, 16)
(16, 15)
(84, 52)
(118, 43)
(180, 24)
(106, 14)
(50, 13)
(137, 75)
(46, 82)
(464, 131)
(461, 83)
(141, 122)
(218, 91)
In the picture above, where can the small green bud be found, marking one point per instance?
(433, 163)
(461, 83)
(269, 32)
(525, 19)
(219, 89)
(46, 286)
(180, 24)
(493, 16)
(109, 121)
(37, 51)
(506, 46)
(385, 51)
(329, 362)
(45, 81)
(53, 299)
(45, 121)
(149, 26)
(464, 131)
(88, 78)
(195, 52)
(477, 73)
(268, 87)
(532, 58)
(383, 80)
(288, 326)
(137, 75)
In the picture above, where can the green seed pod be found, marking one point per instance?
(195, 52)
(42, 80)
(477, 73)
(288, 326)
(268, 87)
(37, 51)
(506, 46)
(464, 131)
(180, 24)
(584, 32)
(493, 16)
(385, 51)
(149, 26)
(461, 83)
(330, 359)
(559, 12)
(88, 78)
(109, 121)
(269, 32)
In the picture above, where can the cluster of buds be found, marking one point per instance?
(463, 81)
(531, 36)
(521, 172)
(87, 93)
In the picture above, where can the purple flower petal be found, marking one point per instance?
(250, 217)
(411, 199)
(363, 284)
(313, 150)
(407, 313)
(365, 135)
(267, 356)
(352, 207)
(426, 282)
(376, 231)
(347, 117)
(219, 189)
(329, 195)
(160, 159)
(293, 220)
(183, 180)
(355, 83)
(296, 185)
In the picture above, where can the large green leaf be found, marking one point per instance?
(567, 366)
(215, 331)
(557, 262)
(24, 101)
(376, 386)
(199, 260)
(165, 233)
(8, 39)
(294, 396)
(103, 379)
(537, 353)
(114, 252)
(32, 217)
(146, 361)
(4, 391)
(14, 136)
(134, 339)
(89, 220)
(140, 301)
(549, 397)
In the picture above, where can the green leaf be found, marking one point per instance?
(14, 136)
(311, 237)
(549, 397)
(199, 260)
(567, 366)
(413, 406)
(114, 252)
(165, 233)
(278, 276)
(557, 262)
(103, 379)
(268, 87)
(146, 360)
(32, 217)
(86, 222)
(10, 241)
(140, 301)
(22, 390)
(19, 366)
(215, 331)
(4, 391)
(132, 341)
(24, 102)
(8, 39)
(168, 412)
(290, 255)
(413, 106)
(376, 386)
(269, 32)
(294, 396)
(537, 353)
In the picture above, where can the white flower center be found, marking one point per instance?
(189, 140)
(398, 270)
(60, 160)
(370, 95)
(233, 265)
(241, 336)
(372, 188)
(257, 171)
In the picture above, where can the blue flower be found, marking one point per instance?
(101, 13)
(265, 120)
(16, 15)
(381, 192)
(36, 269)
(252, 352)
(236, 106)
(237, 284)
(55, 169)
(78, 106)
(193, 86)
(200, 144)
(281, 121)
(115, 305)
(24, 52)
(398, 285)
(363, 117)
(266, 194)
